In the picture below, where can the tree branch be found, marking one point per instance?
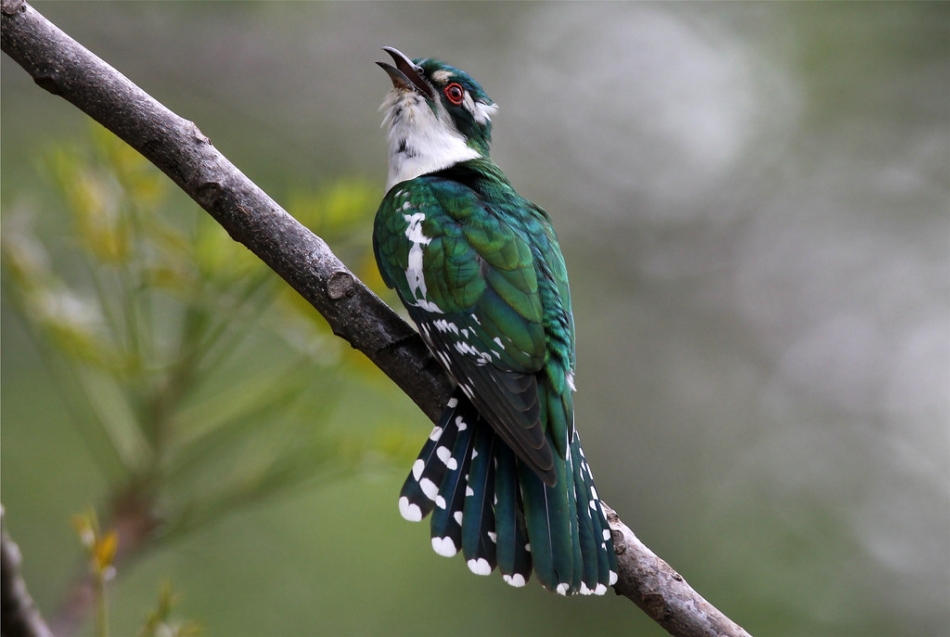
(63, 67)
(20, 616)
(661, 592)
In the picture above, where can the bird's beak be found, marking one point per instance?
(406, 75)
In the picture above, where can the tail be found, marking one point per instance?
(488, 504)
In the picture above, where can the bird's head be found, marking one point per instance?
(437, 116)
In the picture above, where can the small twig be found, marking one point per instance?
(19, 616)
(63, 67)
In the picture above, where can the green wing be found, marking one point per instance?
(481, 273)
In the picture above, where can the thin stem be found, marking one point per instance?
(102, 606)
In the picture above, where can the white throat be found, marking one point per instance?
(420, 140)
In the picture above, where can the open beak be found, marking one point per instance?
(406, 75)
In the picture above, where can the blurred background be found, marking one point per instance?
(753, 203)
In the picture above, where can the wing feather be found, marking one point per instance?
(492, 293)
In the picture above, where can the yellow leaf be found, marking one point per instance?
(105, 550)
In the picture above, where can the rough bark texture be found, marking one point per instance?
(63, 67)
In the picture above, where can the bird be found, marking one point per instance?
(480, 272)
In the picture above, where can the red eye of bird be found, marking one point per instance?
(455, 93)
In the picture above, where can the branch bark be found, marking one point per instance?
(63, 67)
(20, 616)
(662, 593)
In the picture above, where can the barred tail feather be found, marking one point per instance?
(447, 516)
(591, 524)
(478, 528)
(546, 512)
(574, 509)
(417, 498)
(514, 558)
(602, 539)
(494, 508)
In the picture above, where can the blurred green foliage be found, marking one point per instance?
(199, 380)
(160, 623)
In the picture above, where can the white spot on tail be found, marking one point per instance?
(517, 580)
(460, 422)
(562, 588)
(436, 433)
(493, 536)
(458, 517)
(417, 467)
(411, 512)
(600, 590)
(479, 566)
(444, 546)
(453, 403)
(445, 455)
(613, 578)
(429, 487)
(440, 501)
